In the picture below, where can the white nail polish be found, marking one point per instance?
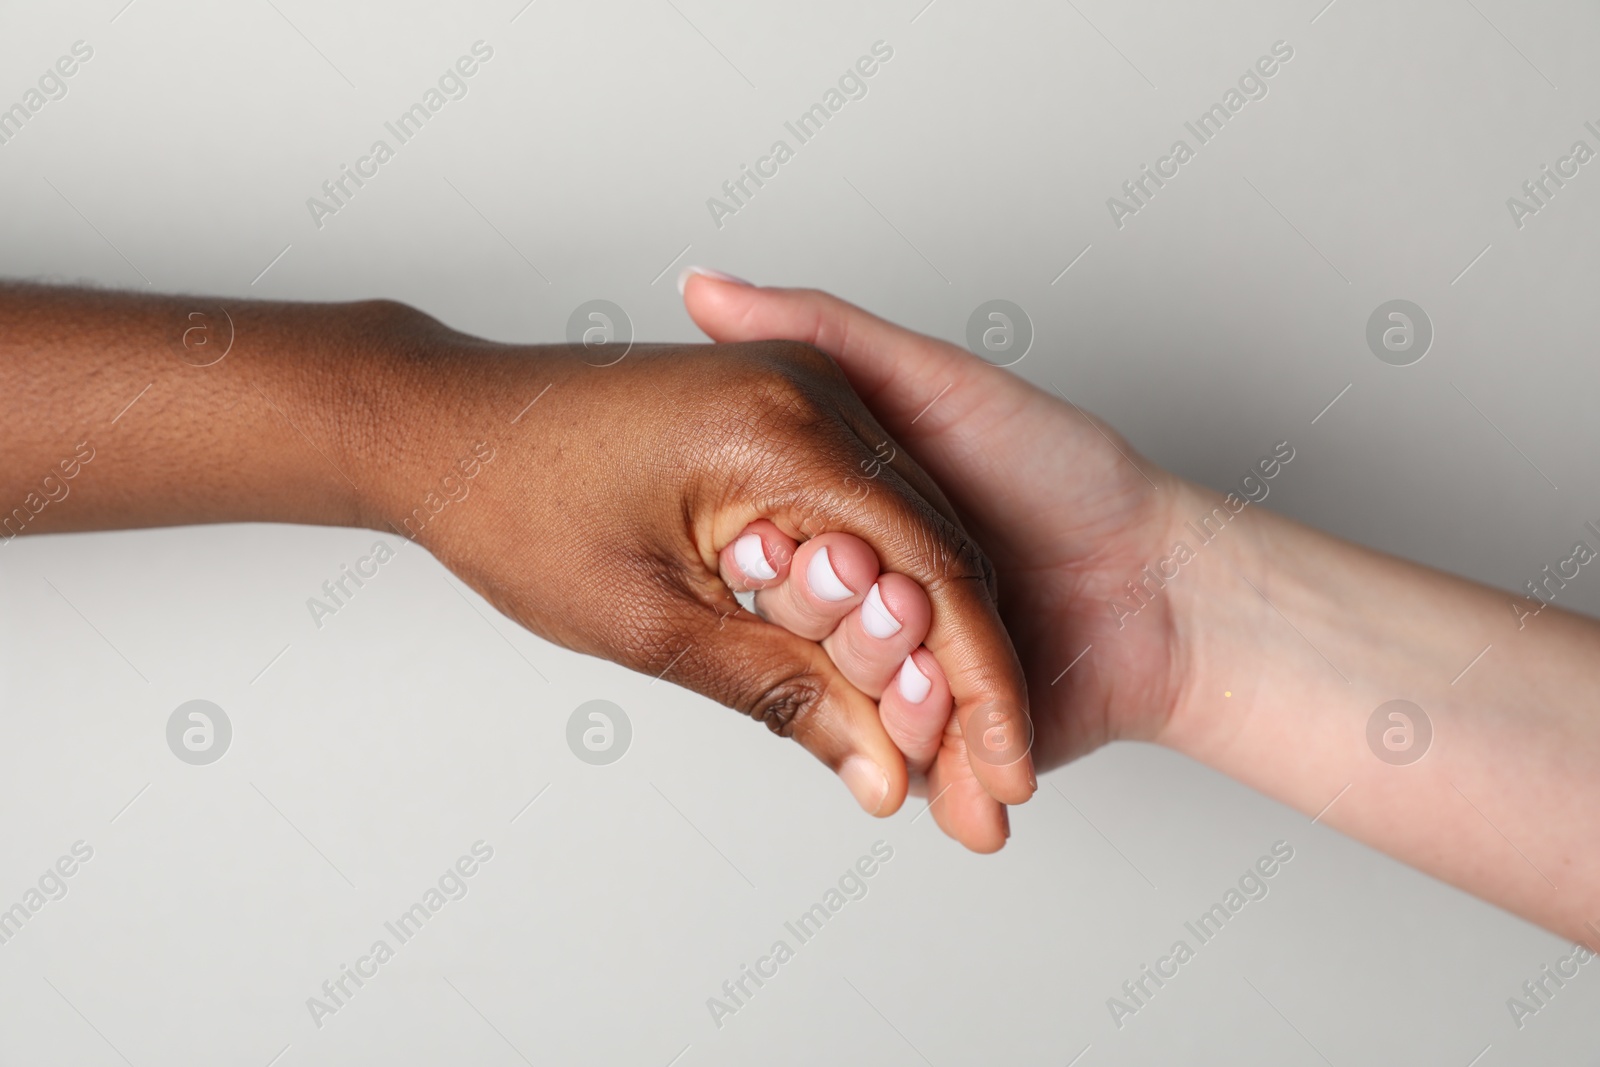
(875, 617)
(824, 580)
(914, 685)
(687, 272)
(751, 556)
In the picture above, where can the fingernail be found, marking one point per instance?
(914, 685)
(751, 556)
(824, 580)
(683, 277)
(866, 781)
(875, 617)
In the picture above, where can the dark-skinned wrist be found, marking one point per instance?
(399, 394)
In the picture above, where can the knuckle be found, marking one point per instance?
(973, 562)
(951, 551)
(960, 559)
(969, 561)
(786, 704)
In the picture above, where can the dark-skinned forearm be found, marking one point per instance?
(108, 420)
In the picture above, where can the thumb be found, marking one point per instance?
(789, 683)
(898, 373)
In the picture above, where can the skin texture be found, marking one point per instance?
(1272, 648)
(529, 472)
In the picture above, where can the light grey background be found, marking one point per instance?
(369, 754)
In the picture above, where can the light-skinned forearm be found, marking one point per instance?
(1310, 634)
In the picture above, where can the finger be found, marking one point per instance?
(872, 642)
(963, 808)
(920, 541)
(915, 708)
(960, 803)
(787, 682)
(831, 575)
(758, 558)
